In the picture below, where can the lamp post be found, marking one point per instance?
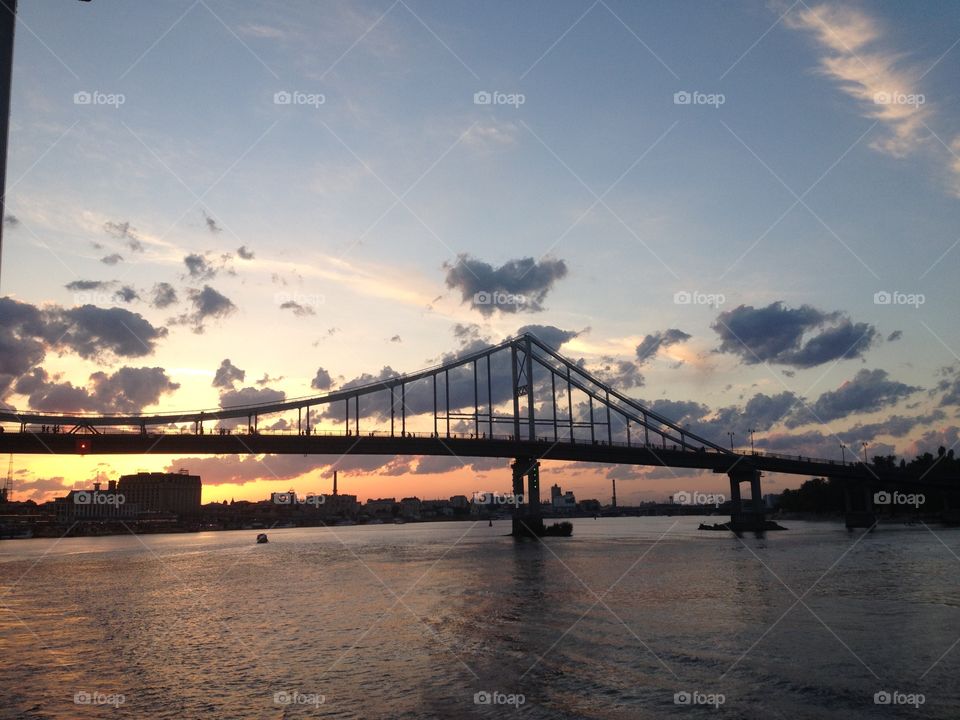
(8, 24)
(864, 444)
(751, 431)
(843, 453)
(731, 434)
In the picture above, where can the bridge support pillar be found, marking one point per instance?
(858, 505)
(527, 520)
(752, 517)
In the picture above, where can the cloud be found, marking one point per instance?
(652, 343)
(396, 339)
(239, 470)
(163, 296)
(244, 253)
(227, 374)
(516, 286)
(322, 380)
(298, 309)
(549, 335)
(207, 303)
(11, 221)
(127, 294)
(775, 334)
(619, 374)
(895, 335)
(123, 231)
(212, 225)
(87, 285)
(250, 396)
(199, 267)
(112, 259)
(869, 390)
(128, 390)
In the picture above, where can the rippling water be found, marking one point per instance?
(411, 621)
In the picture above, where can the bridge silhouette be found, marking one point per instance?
(519, 399)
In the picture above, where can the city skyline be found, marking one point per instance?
(746, 229)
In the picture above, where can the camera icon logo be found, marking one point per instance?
(283, 498)
(682, 498)
(482, 98)
(882, 298)
(682, 98)
(882, 98)
(82, 98)
(482, 698)
(682, 698)
(881, 498)
(482, 298)
(682, 297)
(282, 98)
(82, 498)
(882, 698)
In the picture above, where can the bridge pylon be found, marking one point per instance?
(858, 505)
(527, 518)
(751, 517)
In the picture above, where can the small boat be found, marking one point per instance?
(262, 538)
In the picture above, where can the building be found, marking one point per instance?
(177, 493)
(562, 501)
(410, 508)
(95, 505)
(382, 508)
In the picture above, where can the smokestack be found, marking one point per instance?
(614, 492)
(334, 482)
(96, 486)
(112, 485)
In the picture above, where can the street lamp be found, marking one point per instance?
(864, 444)
(751, 431)
(843, 453)
(8, 23)
(731, 434)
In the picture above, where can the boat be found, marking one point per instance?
(262, 538)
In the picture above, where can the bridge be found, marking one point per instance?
(519, 399)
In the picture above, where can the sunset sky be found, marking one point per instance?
(745, 214)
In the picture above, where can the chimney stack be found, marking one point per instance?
(614, 492)
(334, 482)
(112, 485)
(96, 486)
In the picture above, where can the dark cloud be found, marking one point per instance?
(266, 380)
(11, 221)
(775, 334)
(895, 335)
(123, 231)
(112, 259)
(237, 469)
(652, 343)
(163, 295)
(322, 380)
(207, 303)
(212, 225)
(619, 374)
(516, 286)
(199, 267)
(128, 390)
(245, 253)
(250, 396)
(895, 426)
(127, 294)
(396, 339)
(297, 309)
(87, 285)
(869, 390)
(549, 335)
(227, 374)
